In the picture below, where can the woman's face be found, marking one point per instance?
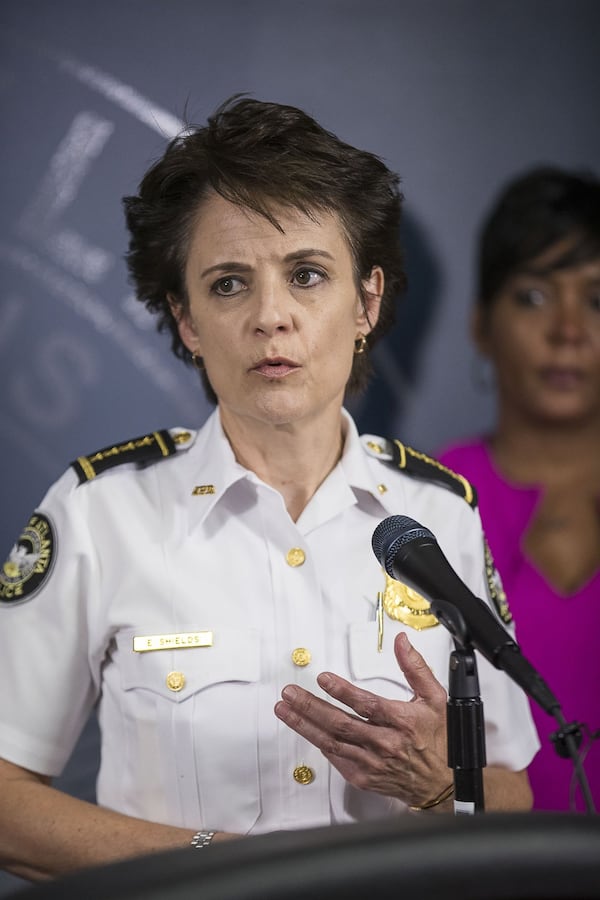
(274, 315)
(542, 334)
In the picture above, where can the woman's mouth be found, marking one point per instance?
(563, 379)
(275, 367)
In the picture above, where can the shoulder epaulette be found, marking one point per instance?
(141, 450)
(413, 462)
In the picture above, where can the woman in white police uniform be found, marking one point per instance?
(193, 585)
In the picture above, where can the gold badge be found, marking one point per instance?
(407, 606)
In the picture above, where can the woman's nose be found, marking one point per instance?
(272, 312)
(568, 321)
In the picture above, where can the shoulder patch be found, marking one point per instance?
(29, 562)
(495, 586)
(422, 466)
(141, 450)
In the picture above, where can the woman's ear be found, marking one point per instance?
(480, 329)
(372, 290)
(185, 326)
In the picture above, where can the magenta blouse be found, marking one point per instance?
(560, 635)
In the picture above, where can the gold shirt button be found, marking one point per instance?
(175, 681)
(301, 656)
(303, 775)
(295, 557)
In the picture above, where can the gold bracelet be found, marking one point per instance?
(446, 793)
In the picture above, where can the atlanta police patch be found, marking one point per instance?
(495, 586)
(29, 562)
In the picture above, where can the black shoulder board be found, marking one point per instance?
(421, 466)
(141, 450)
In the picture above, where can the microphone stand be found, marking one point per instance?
(465, 724)
(567, 740)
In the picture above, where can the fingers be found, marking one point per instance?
(388, 746)
(368, 706)
(321, 723)
(418, 674)
(365, 755)
(312, 717)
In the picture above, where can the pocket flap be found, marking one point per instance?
(177, 674)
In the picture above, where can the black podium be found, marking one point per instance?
(441, 857)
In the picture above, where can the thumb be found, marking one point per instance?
(417, 671)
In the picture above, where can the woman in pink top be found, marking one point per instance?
(537, 320)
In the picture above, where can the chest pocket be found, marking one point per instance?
(367, 663)
(193, 711)
(233, 655)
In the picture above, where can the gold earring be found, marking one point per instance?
(360, 345)
(197, 362)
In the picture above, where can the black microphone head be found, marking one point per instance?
(391, 534)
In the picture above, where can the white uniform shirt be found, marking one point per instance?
(195, 544)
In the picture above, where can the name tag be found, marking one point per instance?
(180, 641)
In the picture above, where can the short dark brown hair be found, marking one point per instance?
(261, 156)
(533, 212)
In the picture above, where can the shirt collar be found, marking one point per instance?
(214, 470)
(362, 469)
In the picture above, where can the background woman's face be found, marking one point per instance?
(543, 335)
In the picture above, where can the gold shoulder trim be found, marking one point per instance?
(141, 450)
(413, 462)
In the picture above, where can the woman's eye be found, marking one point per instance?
(228, 286)
(594, 301)
(307, 277)
(530, 297)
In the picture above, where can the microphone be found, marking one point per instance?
(410, 553)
